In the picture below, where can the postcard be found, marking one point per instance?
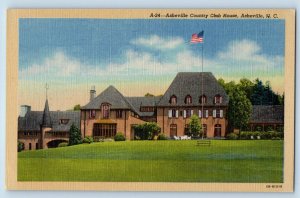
(150, 99)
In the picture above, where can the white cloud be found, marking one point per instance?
(239, 59)
(240, 49)
(58, 65)
(159, 43)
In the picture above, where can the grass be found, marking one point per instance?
(157, 161)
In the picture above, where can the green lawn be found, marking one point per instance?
(158, 161)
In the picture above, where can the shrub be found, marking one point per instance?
(88, 140)
(20, 146)
(246, 135)
(146, 131)
(232, 136)
(63, 144)
(119, 137)
(162, 136)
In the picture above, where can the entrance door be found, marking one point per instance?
(173, 130)
(217, 130)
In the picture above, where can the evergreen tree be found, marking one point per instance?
(74, 135)
(195, 128)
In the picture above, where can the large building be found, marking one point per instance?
(45, 129)
(190, 93)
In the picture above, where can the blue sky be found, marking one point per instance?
(140, 56)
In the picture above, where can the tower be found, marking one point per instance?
(46, 121)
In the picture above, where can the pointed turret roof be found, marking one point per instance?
(46, 122)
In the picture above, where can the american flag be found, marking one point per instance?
(197, 38)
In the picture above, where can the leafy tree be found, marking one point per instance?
(149, 95)
(239, 109)
(147, 130)
(76, 107)
(74, 135)
(195, 128)
(247, 86)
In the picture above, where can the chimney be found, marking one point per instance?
(24, 109)
(92, 93)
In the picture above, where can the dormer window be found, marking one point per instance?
(188, 99)
(202, 99)
(63, 121)
(218, 99)
(173, 100)
(105, 109)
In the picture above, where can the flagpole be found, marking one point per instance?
(202, 91)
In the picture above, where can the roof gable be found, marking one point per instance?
(110, 95)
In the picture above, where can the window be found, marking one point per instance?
(147, 109)
(218, 129)
(119, 113)
(173, 130)
(92, 113)
(105, 111)
(63, 121)
(188, 99)
(203, 114)
(202, 99)
(104, 130)
(173, 113)
(218, 113)
(186, 129)
(29, 146)
(173, 100)
(218, 99)
(187, 113)
(36, 146)
(204, 129)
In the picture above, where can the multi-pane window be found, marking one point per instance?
(188, 99)
(187, 113)
(147, 109)
(105, 111)
(104, 130)
(119, 113)
(218, 113)
(203, 114)
(173, 113)
(173, 100)
(202, 99)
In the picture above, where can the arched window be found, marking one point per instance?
(173, 100)
(202, 99)
(218, 99)
(105, 109)
(188, 99)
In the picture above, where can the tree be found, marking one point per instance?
(20, 146)
(247, 86)
(74, 135)
(149, 95)
(239, 109)
(147, 130)
(195, 128)
(76, 107)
